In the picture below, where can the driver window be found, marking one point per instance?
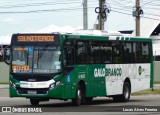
(68, 56)
(69, 53)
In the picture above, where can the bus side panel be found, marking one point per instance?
(96, 81)
(139, 75)
(142, 79)
(114, 79)
(71, 80)
(67, 91)
(140, 84)
(70, 84)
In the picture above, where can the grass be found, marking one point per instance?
(4, 83)
(157, 82)
(146, 92)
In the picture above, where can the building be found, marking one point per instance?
(151, 28)
(4, 68)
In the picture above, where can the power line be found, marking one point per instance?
(40, 4)
(37, 4)
(131, 14)
(121, 9)
(49, 10)
(116, 3)
(120, 12)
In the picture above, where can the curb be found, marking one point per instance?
(156, 85)
(4, 86)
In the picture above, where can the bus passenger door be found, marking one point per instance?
(82, 60)
(68, 67)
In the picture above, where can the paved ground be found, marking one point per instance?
(100, 105)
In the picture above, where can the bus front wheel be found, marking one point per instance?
(34, 102)
(77, 100)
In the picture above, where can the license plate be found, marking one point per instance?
(32, 92)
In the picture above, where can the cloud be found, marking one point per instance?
(5, 39)
(8, 20)
(53, 28)
(48, 29)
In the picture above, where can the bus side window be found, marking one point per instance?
(127, 53)
(68, 56)
(145, 52)
(134, 52)
(95, 52)
(82, 52)
(139, 52)
(117, 53)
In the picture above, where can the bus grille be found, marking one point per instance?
(32, 91)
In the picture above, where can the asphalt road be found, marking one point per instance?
(102, 105)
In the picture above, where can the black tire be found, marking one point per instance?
(34, 102)
(126, 92)
(78, 99)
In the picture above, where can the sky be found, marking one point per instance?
(18, 16)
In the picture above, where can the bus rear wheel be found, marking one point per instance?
(34, 102)
(78, 99)
(126, 92)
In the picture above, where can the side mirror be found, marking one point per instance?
(6, 55)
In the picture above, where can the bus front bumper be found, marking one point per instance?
(42, 93)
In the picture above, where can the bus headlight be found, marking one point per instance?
(12, 84)
(54, 85)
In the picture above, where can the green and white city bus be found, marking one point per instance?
(79, 66)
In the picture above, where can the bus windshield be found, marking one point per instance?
(36, 59)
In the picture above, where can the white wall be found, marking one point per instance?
(4, 73)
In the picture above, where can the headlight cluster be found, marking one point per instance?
(12, 84)
(54, 84)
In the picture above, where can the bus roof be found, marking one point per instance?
(103, 35)
(88, 34)
(97, 32)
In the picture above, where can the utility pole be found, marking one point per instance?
(85, 15)
(138, 18)
(101, 20)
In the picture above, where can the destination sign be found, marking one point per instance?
(35, 39)
(20, 67)
(47, 38)
(21, 49)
